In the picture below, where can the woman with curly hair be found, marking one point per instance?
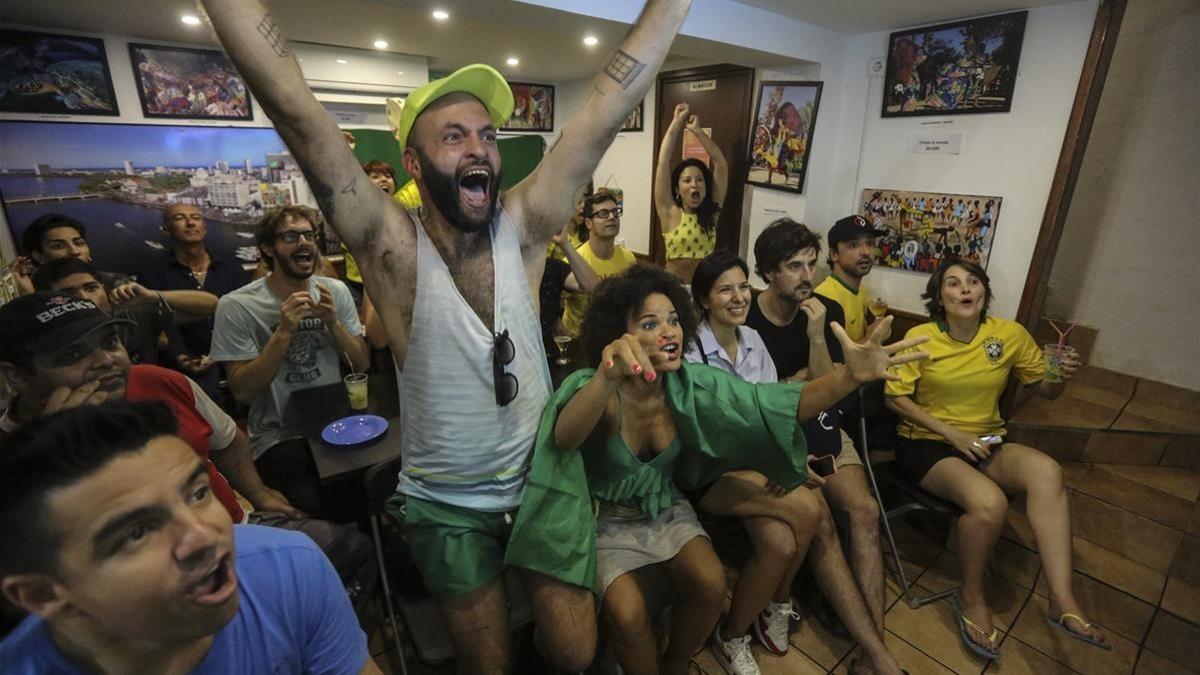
(631, 435)
(687, 195)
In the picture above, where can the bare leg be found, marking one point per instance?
(628, 624)
(847, 491)
(566, 620)
(984, 505)
(478, 625)
(1020, 468)
(699, 583)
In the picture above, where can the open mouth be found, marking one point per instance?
(671, 349)
(737, 310)
(218, 585)
(474, 186)
(302, 257)
(111, 381)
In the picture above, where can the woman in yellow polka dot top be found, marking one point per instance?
(688, 196)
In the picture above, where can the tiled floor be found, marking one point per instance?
(1137, 573)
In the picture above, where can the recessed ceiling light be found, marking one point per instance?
(342, 61)
(440, 15)
(512, 61)
(381, 44)
(190, 19)
(399, 72)
(591, 40)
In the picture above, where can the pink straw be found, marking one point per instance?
(1062, 334)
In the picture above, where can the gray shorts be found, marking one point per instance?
(626, 544)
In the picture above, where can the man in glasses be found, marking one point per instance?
(602, 217)
(282, 333)
(459, 277)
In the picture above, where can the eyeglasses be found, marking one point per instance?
(293, 236)
(603, 214)
(506, 383)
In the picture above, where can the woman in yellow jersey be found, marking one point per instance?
(952, 444)
(688, 196)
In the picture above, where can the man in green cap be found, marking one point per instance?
(456, 286)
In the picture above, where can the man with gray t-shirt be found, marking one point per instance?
(282, 333)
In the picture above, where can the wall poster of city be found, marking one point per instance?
(118, 178)
(922, 227)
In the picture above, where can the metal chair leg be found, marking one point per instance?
(387, 592)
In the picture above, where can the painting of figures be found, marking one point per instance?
(185, 83)
(782, 138)
(923, 227)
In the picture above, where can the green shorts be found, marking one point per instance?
(457, 549)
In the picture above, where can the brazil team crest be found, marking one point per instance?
(994, 348)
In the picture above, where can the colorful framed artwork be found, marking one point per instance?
(924, 227)
(533, 108)
(54, 74)
(634, 121)
(184, 83)
(954, 68)
(780, 144)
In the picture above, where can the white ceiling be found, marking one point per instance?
(867, 16)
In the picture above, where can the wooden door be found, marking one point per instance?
(722, 96)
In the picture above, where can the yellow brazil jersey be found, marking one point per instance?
(410, 198)
(854, 304)
(575, 304)
(553, 250)
(961, 383)
(689, 240)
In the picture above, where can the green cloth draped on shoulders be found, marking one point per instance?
(724, 424)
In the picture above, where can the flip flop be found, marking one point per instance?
(1061, 624)
(965, 624)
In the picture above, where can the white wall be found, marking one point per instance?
(1126, 263)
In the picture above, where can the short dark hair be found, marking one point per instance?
(34, 236)
(616, 298)
(709, 270)
(781, 240)
(379, 166)
(933, 289)
(598, 197)
(266, 233)
(709, 209)
(57, 451)
(48, 274)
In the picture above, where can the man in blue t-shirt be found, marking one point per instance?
(115, 545)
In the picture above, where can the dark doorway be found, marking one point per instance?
(721, 96)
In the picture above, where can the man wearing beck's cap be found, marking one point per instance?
(459, 276)
(851, 255)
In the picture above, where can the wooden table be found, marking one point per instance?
(321, 405)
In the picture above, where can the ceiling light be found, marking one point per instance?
(381, 44)
(399, 72)
(440, 15)
(342, 61)
(512, 61)
(190, 19)
(591, 40)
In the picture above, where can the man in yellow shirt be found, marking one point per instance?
(602, 217)
(851, 255)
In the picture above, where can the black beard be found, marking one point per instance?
(443, 189)
(284, 266)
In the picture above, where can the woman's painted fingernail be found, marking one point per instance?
(651, 376)
(637, 368)
(608, 364)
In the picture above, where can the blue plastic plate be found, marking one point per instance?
(354, 430)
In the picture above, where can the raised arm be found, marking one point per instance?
(582, 278)
(546, 198)
(720, 167)
(668, 154)
(251, 37)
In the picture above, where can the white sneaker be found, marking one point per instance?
(773, 626)
(734, 655)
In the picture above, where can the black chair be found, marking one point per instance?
(379, 483)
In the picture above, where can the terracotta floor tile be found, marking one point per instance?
(1017, 529)
(1150, 663)
(1109, 484)
(1182, 483)
(1106, 379)
(911, 659)
(1101, 396)
(933, 629)
(1114, 609)
(1183, 451)
(1015, 563)
(1183, 599)
(1064, 445)
(1117, 570)
(1175, 639)
(1125, 447)
(1004, 597)
(815, 642)
(1165, 395)
(1018, 658)
(1065, 411)
(1031, 628)
(1157, 418)
(1186, 565)
(1128, 534)
(792, 663)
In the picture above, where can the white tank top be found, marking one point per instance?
(460, 447)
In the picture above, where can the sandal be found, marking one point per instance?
(1061, 624)
(965, 624)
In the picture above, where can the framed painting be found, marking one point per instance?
(533, 108)
(954, 68)
(184, 83)
(634, 121)
(54, 74)
(781, 140)
(924, 227)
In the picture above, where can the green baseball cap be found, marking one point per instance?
(479, 80)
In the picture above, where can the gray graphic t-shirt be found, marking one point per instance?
(245, 320)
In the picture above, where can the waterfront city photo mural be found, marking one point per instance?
(118, 178)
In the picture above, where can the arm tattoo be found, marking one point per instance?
(274, 37)
(351, 187)
(623, 68)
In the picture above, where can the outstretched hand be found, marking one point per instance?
(870, 360)
(624, 357)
